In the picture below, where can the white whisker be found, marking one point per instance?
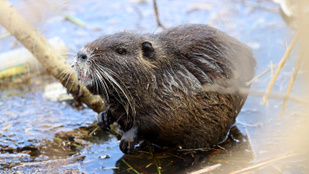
(108, 74)
(103, 84)
(64, 73)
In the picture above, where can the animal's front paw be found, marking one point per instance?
(129, 140)
(105, 119)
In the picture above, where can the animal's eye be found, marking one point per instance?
(121, 51)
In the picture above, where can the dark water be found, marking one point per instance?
(35, 131)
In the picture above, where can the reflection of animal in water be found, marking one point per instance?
(178, 88)
(180, 161)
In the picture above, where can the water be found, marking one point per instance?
(48, 130)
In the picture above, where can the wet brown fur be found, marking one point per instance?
(177, 98)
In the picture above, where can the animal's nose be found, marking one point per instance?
(81, 56)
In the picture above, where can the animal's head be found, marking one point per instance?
(118, 67)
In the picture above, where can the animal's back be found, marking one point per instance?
(200, 87)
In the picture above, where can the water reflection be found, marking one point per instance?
(233, 153)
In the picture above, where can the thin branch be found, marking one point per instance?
(207, 169)
(67, 17)
(280, 66)
(246, 91)
(5, 35)
(155, 160)
(260, 75)
(52, 162)
(291, 83)
(157, 14)
(275, 96)
(129, 166)
(264, 163)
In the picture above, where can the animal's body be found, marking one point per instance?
(178, 88)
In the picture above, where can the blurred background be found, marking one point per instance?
(43, 129)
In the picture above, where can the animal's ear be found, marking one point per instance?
(148, 50)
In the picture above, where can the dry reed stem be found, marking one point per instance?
(157, 14)
(272, 66)
(38, 45)
(280, 66)
(155, 160)
(67, 17)
(207, 169)
(264, 163)
(262, 74)
(277, 96)
(130, 167)
(291, 83)
(53, 162)
(256, 93)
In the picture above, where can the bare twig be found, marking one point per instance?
(276, 96)
(246, 91)
(207, 169)
(130, 166)
(272, 66)
(7, 34)
(67, 17)
(280, 66)
(155, 160)
(260, 75)
(252, 145)
(52, 162)
(264, 163)
(157, 14)
(288, 92)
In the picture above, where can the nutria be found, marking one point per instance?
(177, 88)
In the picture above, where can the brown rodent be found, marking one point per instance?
(178, 88)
